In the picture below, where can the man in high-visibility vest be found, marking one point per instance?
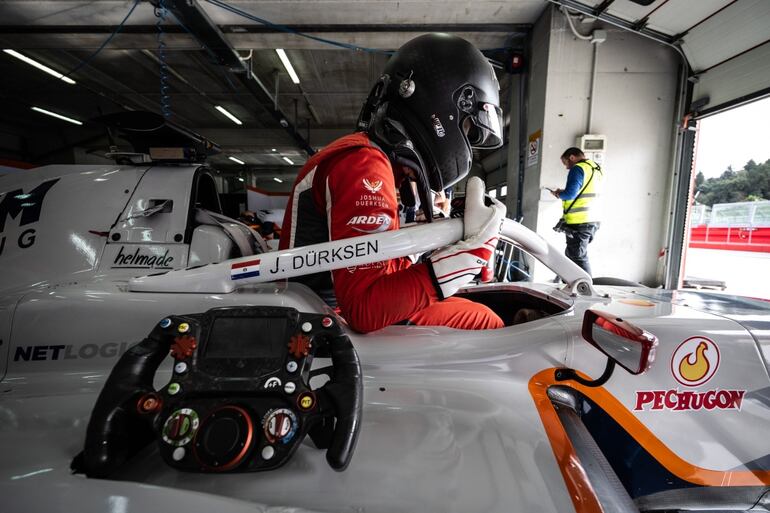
(579, 220)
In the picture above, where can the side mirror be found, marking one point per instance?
(630, 346)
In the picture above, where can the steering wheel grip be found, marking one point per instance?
(346, 392)
(116, 432)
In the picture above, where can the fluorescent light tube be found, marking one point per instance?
(287, 159)
(286, 64)
(228, 115)
(39, 66)
(239, 161)
(55, 115)
(277, 179)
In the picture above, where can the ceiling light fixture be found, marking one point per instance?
(39, 66)
(277, 179)
(228, 114)
(287, 159)
(239, 161)
(286, 64)
(55, 115)
(241, 179)
(273, 149)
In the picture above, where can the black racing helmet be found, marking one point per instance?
(445, 95)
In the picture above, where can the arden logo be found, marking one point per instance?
(372, 186)
(695, 361)
(370, 224)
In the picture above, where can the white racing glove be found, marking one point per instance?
(455, 266)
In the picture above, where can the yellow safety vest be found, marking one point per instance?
(579, 210)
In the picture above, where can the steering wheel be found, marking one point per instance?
(239, 399)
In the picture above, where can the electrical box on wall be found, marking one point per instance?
(593, 146)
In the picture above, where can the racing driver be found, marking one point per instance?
(437, 99)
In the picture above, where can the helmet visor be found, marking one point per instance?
(484, 127)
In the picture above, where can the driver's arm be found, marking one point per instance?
(360, 199)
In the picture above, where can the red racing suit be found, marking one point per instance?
(349, 189)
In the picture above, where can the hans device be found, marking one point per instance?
(239, 398)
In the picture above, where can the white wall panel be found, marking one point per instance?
(631, 11)
(676, 16)
(742, 76)
(736, 29)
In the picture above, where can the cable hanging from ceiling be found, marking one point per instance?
(165, 98)
(203, 45)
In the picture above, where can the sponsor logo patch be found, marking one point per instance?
(125, 259)
(674, 400)
(70, 352)
(693, 364)
(370, 224)
(695, 361)
(27, 207)
(372, 186)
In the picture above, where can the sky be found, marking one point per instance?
(733, 138)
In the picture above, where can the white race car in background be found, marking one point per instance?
(95, 258)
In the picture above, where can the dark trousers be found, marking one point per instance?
(578, 238)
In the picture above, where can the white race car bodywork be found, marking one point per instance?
(453, 420)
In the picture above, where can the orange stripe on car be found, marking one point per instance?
(579, 487)
(574, 476)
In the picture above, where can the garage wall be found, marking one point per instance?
(535, 105)
(634, 107)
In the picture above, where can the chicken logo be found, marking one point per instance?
(695, 361)
(695, 370)
(373, 186)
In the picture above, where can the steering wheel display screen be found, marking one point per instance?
(246, 337)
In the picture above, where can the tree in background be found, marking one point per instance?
(699, 179)
(752, 183)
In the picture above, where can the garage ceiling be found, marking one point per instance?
(126, 74)
(725, 42)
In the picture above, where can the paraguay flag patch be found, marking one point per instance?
(244, 270)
